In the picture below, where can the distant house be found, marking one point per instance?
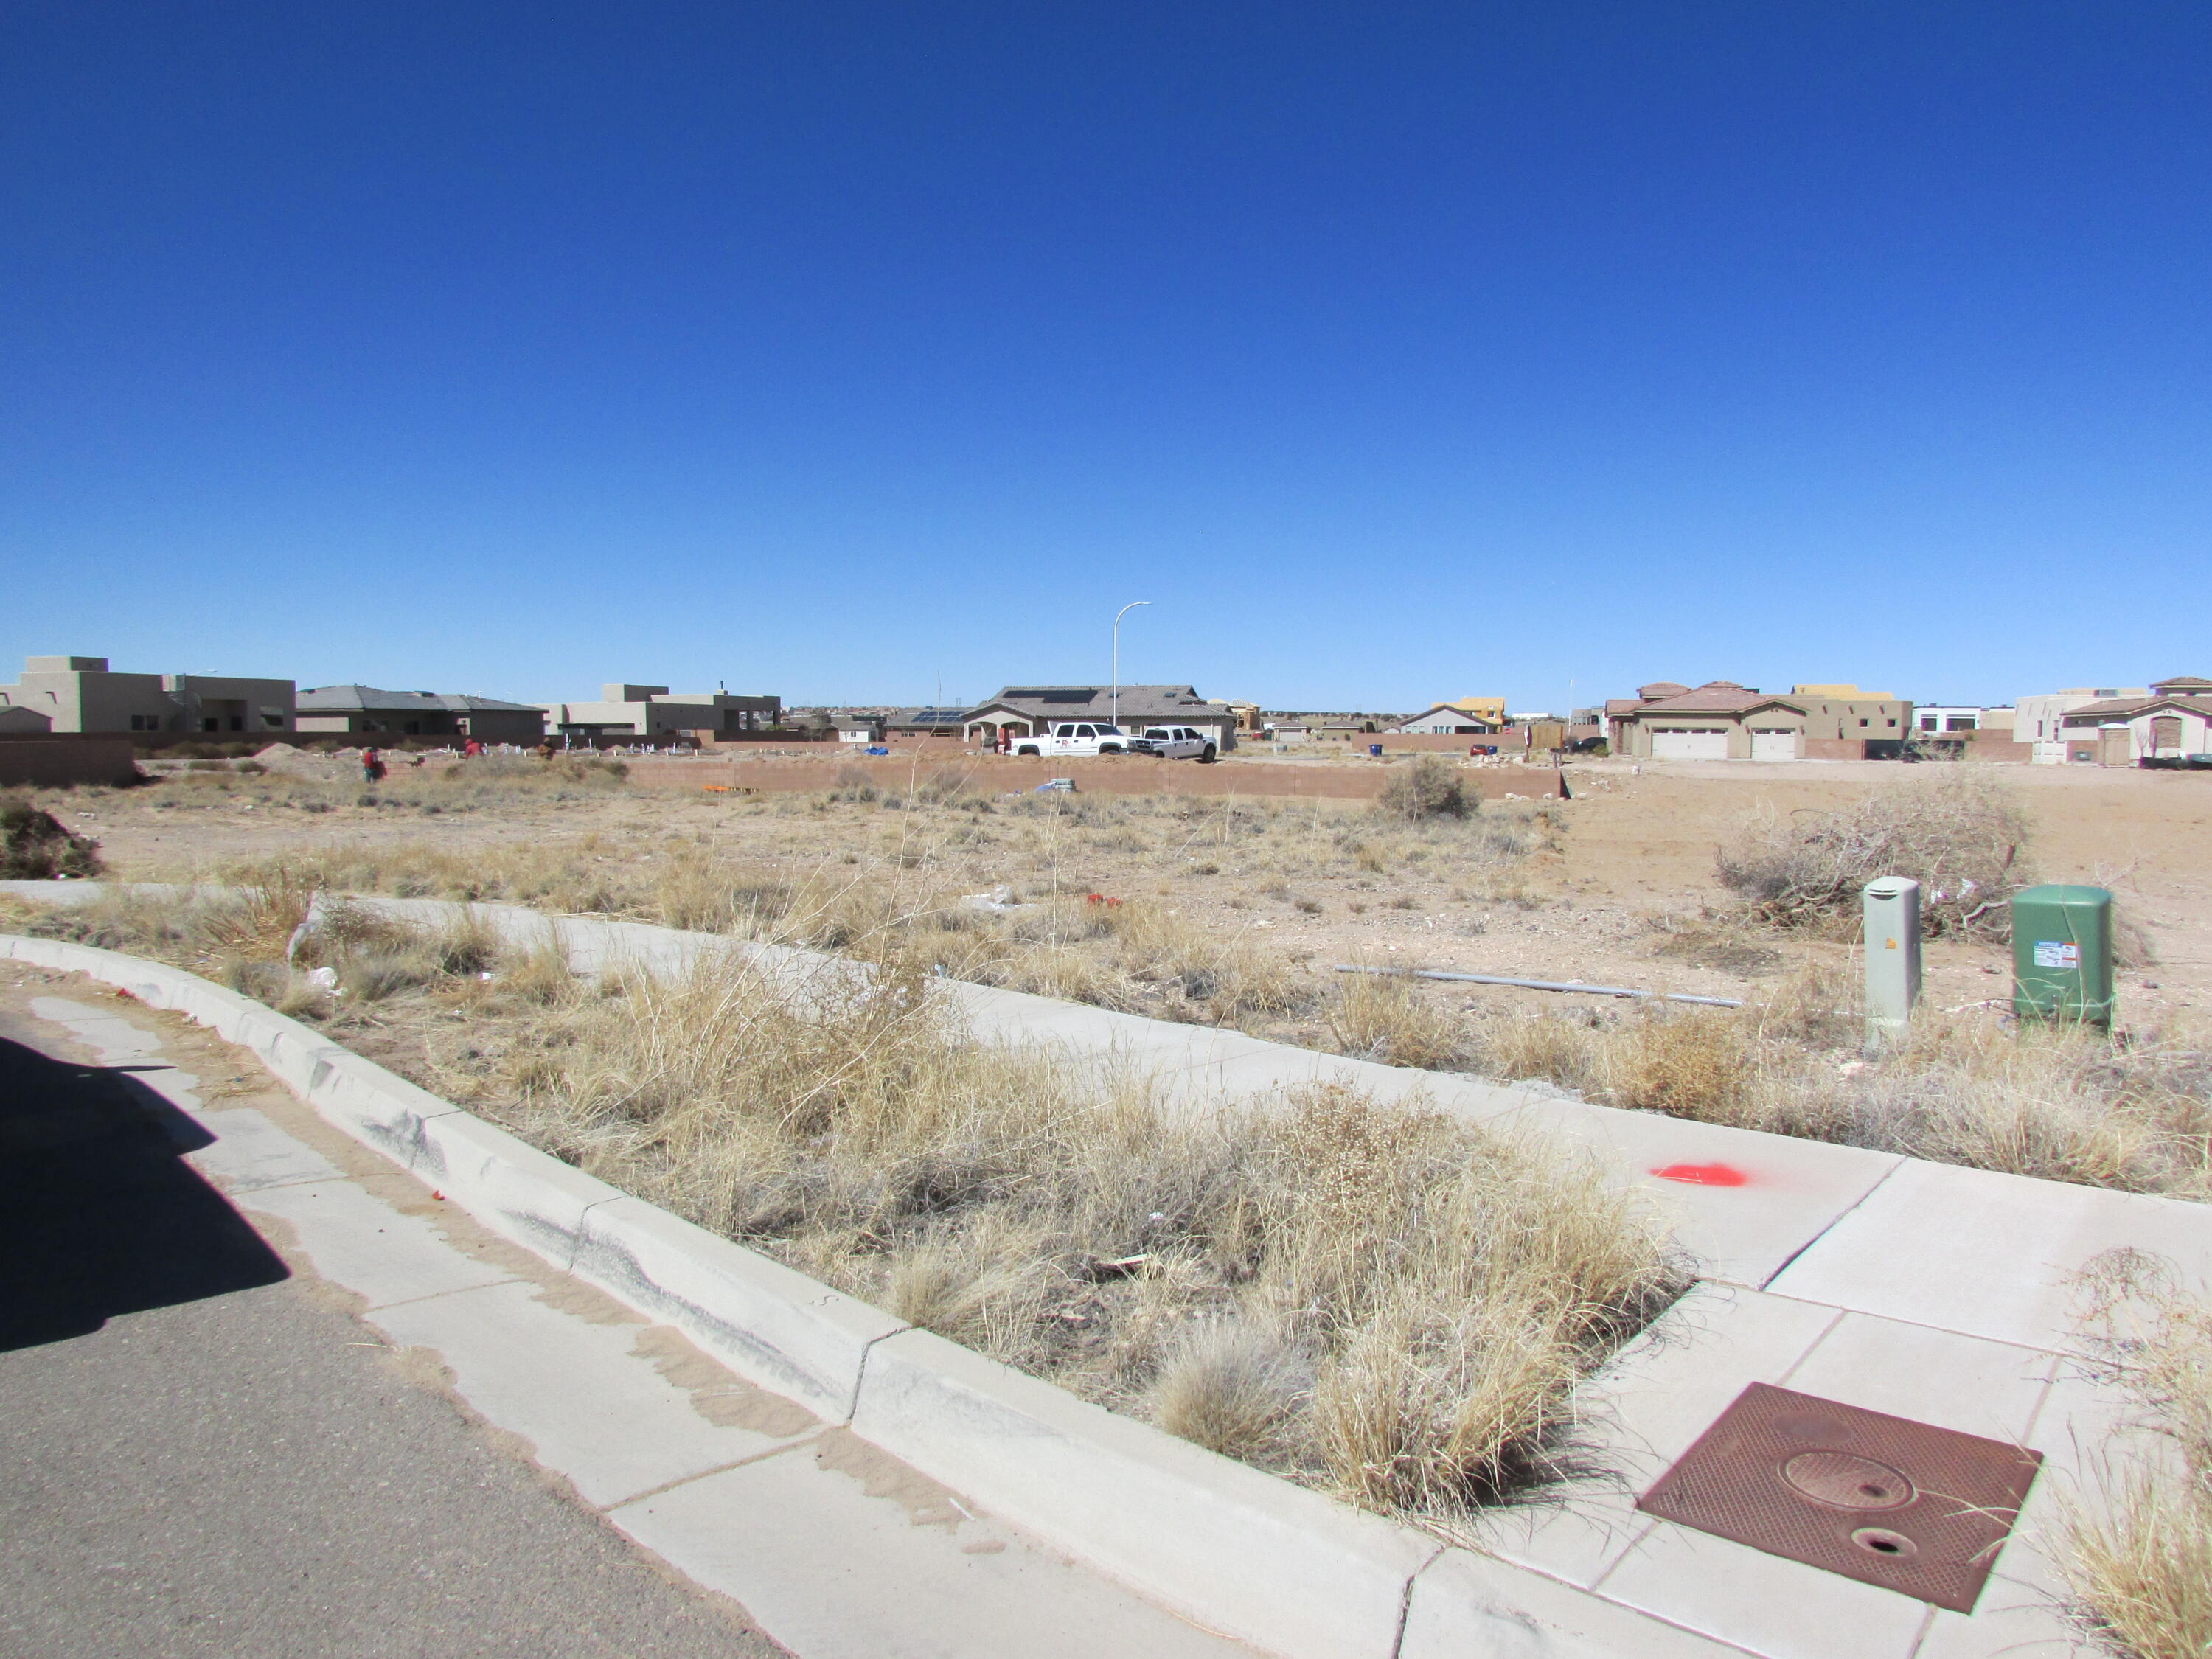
(2173, 721)
(79, 694)
(626, 713)
(1024, 711)
(1723, 720)
(366, 710)
(17, 720)
(1453, 720)
(1621, 708)
(1942, 717)
(925, 722)
(2041, 718)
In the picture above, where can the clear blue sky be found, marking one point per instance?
(1394, 352)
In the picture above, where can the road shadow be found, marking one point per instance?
(99, 1214)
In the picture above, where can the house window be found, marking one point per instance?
(1863, 722)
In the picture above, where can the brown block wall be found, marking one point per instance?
(47, 762)
(1133, 775)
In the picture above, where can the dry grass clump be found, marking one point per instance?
(312, 783)
(1382, 1302)
(2139, 1560)
(1379, 1017)
(261, 941)
(2055, 1102)
(34, 845)
(1379, 1300)
(1432, 787)
(1960, 831)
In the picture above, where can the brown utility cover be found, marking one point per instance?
(1911, 1507)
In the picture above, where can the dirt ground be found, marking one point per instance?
(1610, 893)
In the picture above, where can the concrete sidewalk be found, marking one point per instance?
(307, 1407)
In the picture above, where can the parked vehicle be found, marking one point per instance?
(1175, 743)
(1076, 738)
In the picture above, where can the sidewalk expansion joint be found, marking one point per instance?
(1613, 1567)
(375, 1309)
(1834, 1222)
(806, 1439)
(1921, 1325)
(1811, 1348)
(1405, 1600)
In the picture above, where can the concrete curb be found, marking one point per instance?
(1232, 1549)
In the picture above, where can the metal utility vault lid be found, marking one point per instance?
(1911, 1507)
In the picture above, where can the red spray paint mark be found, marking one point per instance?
(1703, 1175)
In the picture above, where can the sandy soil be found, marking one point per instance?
(1634, 846)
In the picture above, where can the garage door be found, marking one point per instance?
(1780, 744)
(1688, 745)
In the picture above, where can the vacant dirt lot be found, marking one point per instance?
(1609, 888)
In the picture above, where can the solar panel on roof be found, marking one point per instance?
(1054, 694)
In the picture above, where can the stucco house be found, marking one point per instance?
(366, 709)
(79, 693)
(1023, 711)
(1724, 720)
(625, 711)
(2174, 722)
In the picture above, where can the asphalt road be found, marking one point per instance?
(197, 1456)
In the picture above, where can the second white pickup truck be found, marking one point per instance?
(1076, 738)
(1175, 743)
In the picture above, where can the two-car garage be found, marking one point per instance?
(1689, 743)
(1773, 743)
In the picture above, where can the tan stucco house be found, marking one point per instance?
(79, 693)
(1724, 720)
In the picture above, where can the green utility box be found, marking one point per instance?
(2062, 954)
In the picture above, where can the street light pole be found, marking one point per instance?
(1114, 698)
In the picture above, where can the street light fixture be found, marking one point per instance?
(1114, 698)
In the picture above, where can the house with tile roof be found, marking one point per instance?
(2172, 722)
(1724, 720)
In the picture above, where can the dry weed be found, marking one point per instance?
(1380, 1301)
(1960, 831)
(2138, 1558)
(1432, 787)
(1383, 1017)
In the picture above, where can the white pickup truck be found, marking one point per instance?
(1175, 743)
(1076, 738)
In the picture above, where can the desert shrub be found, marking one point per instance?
(1960, 832)
(35, 846)
(855, 784)
(1430, 787)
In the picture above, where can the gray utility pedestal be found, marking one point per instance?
(1891, 908)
